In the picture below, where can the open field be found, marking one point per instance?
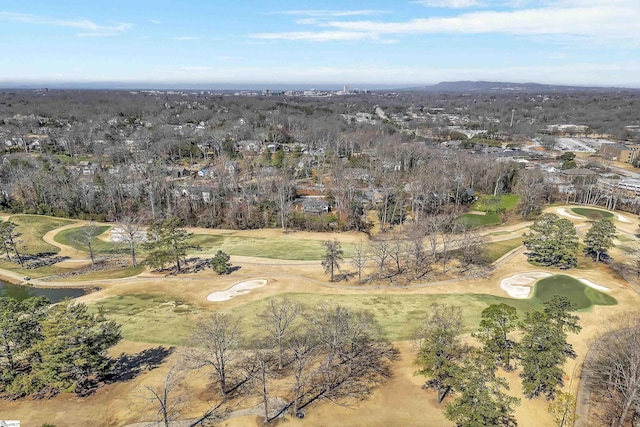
(150, 318)
(286, 246)
(33, 228)
(155, 309)
(397, 315)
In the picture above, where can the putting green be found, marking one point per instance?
(594, 214)
(582, 295)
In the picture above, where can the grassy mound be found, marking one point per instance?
(582, 295)
(594, 214)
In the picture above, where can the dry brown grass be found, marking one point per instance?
(401, 401)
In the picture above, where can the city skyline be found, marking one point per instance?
(375, 43)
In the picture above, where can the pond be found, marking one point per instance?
(579, 293)
(20, 292)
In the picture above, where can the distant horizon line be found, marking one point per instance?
(259, 86)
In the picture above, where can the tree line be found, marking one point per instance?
(440, 246)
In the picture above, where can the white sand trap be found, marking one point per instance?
(118, 235)
(621, 218)
(510, 284)
(240, 288)
(563, 212)
(594, 286)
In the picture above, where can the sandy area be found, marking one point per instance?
(594, 285)
(622, 218)
(240, 288)
(511, 284)
(118, 235)
(564, 212)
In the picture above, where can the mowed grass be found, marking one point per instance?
(594, 214)
(35, 273)
(151, 318)
(33, 227)
(119, 273)
(77, 236)
(398, 315)
(497, 250)
(161, 319)
(488, 203)
(474, 220)
(582, 296)
(272, 247)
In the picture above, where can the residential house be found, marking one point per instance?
(315, 205)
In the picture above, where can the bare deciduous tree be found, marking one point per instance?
(614, 372)
(277, 319)
(215, 342)
(132, 234)
(87, 234)
(168, 405)
(359, 259)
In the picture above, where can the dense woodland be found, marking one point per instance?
(109, 154)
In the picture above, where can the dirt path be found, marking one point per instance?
(65, 250)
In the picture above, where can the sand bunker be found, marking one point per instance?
(563, 212)
(510, 284)
(118, 235)
(621, 218)
(240, 288)
(593, 285)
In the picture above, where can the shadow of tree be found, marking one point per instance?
(129, 366)
(233, 269)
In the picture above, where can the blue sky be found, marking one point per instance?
(359, 43)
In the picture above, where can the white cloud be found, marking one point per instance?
(330, 13)
(453, 4)
(155, 21)
(604, 22)
(186, 38)
(89, 28)
(321, 36)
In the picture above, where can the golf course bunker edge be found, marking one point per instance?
(240, 288)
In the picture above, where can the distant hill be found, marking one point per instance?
(488, 87)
